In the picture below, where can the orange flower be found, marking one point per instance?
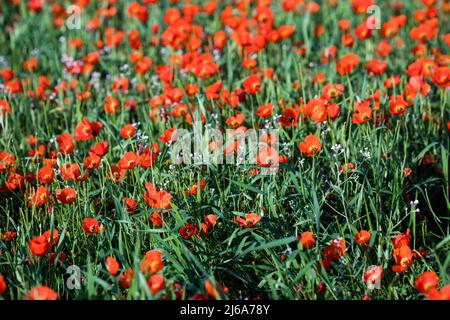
(376, 67)
(92, 162)
(65, 143)
(126, 277)
(363, 237)
(130, 204)
(72, 172)
(43, 293)
(332, 91)
(251, 219)
(403, 239)
(443, 294)
(265, 110)
(128, 131)
(100, 149)
(252, 85)
(46, 175)
(335, 250)
(91, 226)
(148, 157)
(310, 146)
(157, 199)
(112, 265)
(40, 196)
(156, 283)
(363, 112)
(152, 262)
(87, 130)
(66, 196)
(117, 174)
(111, 105)
(286, 31)
(40, 245)
(347, 167)
(192, 191)
(407, 172)
(129, 161)
(398, 105)
(316, 110)
(236, 120)
(426, 281)
(4, 107)
(6, 160)
(289, 118)
(307, 240)
(347, 63)
(403, 258)
(212, 91)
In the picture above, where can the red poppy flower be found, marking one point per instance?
(43, 293)
(112, 265)
(250, 220)
(100, 149)
(188, 231)
(310, 146)
(39, 197)
(426, 281)
(91, 226)
(65, 143)
(335, 250)
(66, 196)
(46, 175)
(403, 258)
(40, 245)
(289, 117)
(72, 172)
(130, 204)
(8, 236)
(4, 107)
(307, 240)
(398, 105)
(111, 105)
(3, 286)
(212, 91)
(128, 131)
(129, 161)
(157, 199)
(117, 174)
(156, 283)
(347, 63)
(214, 291)
(332, 91)
(252, 85)
(126, 278)
(363, 237)
(152, 262)
(6, 160)
(363, 112)
(402, 239)
(92, 162)
(147, 158)
(376, 67)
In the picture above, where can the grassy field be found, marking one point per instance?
(355, 205)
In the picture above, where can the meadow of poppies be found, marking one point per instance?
(347, 198)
